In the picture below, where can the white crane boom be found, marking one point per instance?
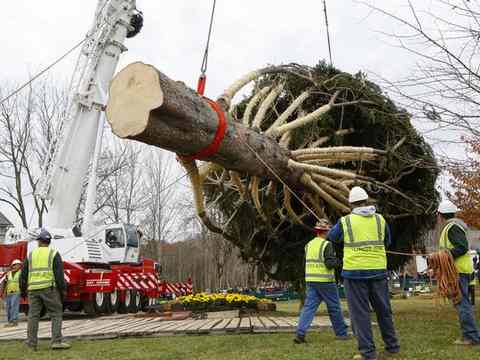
(79, 134)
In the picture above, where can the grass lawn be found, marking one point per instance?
(426, 331)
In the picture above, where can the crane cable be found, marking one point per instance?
(36, 76)
(328, 31)
(202, 80)
(40, 73)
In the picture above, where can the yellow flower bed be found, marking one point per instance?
(218, 300)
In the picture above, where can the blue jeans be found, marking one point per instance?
(360, 295)
(12, 303)
(465, 312)
(316, 293)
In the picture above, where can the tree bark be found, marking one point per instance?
(145, 105)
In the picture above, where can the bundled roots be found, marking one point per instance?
(446, 274)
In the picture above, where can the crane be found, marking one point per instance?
(75, 151)
(102, 266)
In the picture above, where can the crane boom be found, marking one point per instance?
(77, 134)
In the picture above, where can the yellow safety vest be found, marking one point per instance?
(463, 263)
(315, 269)
(364, 242)
(40, 269)
(13, 282)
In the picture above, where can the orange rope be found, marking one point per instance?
(446, 272)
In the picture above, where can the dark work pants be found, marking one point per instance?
(50, 298)
(471, 293)
(465, 312)
(359, 294)
(316, 293)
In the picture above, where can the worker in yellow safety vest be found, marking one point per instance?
(43, 279)
(453, 237)
(12, 293)
(320, 265)
(363, 236)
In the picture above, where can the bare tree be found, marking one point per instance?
(444, 37)
(120, 182)
(26, 129)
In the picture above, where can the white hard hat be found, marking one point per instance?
(357, 194)
(447, 207)
(16, 262)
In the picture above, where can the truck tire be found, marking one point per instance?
(113, 302)
(145, 303)
(136, 302)
(97, 305)
(125, 305)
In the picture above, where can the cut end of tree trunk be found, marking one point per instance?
(134, 92)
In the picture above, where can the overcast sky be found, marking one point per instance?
(247, 34)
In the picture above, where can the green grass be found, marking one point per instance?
(426, 331)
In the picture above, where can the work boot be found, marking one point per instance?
(9, 324)
(60, 346)
(465, 342)
(299, 340)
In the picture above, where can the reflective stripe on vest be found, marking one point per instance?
(315, 269)
(13, 285)
(40, 269)
(463, 263)
(364, 242)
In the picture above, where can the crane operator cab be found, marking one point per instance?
(122, 243)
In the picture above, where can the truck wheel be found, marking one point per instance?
(113, 302)
(145, 302)
(125, 305)
(97, 305)
(136, 303)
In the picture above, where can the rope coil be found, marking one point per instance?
(446, 273)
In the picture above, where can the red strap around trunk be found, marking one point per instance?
(217, 140)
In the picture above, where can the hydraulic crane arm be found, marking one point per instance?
(78, 141)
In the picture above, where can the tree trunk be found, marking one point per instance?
(145, 105)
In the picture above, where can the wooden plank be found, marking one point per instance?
(124, 325)
(256, 323)
(139, 325)
(268, 323)
(233, 325)
(221, 325)
(293, 322)
(245, 325)
(198, 324)
(93, 327)
(321, 321)
(281, 323)
(187, 325)
(205, 329)
(161, 326)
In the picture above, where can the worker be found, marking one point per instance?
(453, 236)
(320, 264)
(363, 237)
(12, 293)
(43, 279)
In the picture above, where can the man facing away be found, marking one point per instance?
(320, 264)
(12, 293)
(364, 235)
(453, 238)
(43, 279)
